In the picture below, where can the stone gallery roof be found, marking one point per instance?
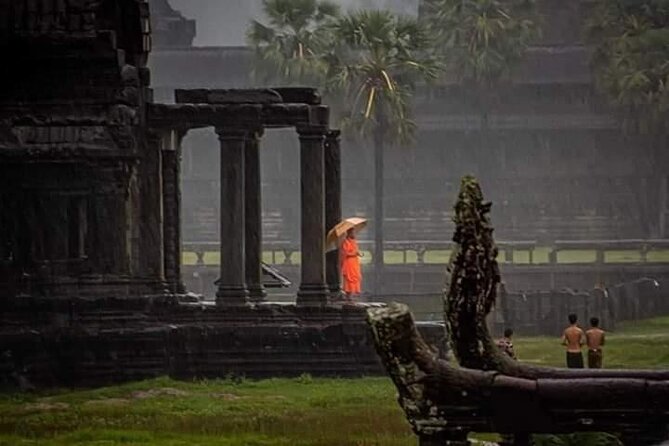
(214, 67)
(169, 28)
(230, 67)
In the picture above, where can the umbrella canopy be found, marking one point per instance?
(340, 230)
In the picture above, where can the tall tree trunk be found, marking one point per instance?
(379, 134)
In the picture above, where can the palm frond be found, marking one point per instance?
(326, 11)
(389, 83)
(259, 34)
(631, 58)
(370, 102)
(380, 57)
(483, 39)
(292, 45)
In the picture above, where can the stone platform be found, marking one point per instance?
(76, 342)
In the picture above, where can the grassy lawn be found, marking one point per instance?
(643, 344)
(302, 411)
(221, 412)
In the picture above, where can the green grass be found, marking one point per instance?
(643, 344)
(622, 256)
(441, 256)
(221, 412)
(576, 256)
(274, 412)
(658, 255)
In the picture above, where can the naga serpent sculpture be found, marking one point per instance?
(490, 392)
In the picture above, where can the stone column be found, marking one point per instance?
(332, 207)
(312, 171)
(232, 282)
(253, 217)
(171, 163)
(152, 249)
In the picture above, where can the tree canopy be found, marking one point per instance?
(482, 39)
(379, 58)
(290, 46)
(631, 60)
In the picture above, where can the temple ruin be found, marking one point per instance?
(91, 287)
(91, 184)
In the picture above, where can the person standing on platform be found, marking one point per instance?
(350, 265)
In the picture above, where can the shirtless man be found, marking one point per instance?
(595, 339)
(573, 338)
(506, 344)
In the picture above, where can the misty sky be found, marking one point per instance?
(224, 22)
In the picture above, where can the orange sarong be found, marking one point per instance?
(350, 266)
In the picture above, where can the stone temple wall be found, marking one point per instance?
(79, 198)
(110, 341)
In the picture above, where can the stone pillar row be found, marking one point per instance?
(241, 215)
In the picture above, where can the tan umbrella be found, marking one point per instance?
(340, 230)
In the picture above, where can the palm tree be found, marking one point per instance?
(631, 61)
(482, 41)
(631, 66)
(379, 58)
(290, 47)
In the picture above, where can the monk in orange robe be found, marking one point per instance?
(350, 264)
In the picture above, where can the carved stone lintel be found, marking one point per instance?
(233, 96)
(294, 95)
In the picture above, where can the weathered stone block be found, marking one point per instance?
(55, 134)
(130, 76)
(299, 95)
(203, 96)
(88, 20)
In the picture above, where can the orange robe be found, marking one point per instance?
(350, 266)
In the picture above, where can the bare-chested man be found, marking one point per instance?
(506, 344)
(574, 338)
(595, 338)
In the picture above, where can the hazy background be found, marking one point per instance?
(552, 157)
(224, 22)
